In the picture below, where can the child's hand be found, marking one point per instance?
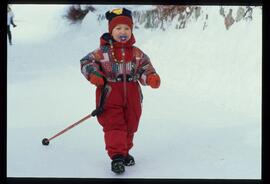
(96, 79)
(153, 80)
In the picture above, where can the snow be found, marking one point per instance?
(203, 122)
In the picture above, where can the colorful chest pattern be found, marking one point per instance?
(113, 69)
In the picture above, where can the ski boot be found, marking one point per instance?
(129, 160)
(118, 164)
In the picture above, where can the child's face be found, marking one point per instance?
(121, 30)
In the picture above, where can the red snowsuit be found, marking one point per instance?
(122, 107)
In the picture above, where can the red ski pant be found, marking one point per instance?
(120, 117)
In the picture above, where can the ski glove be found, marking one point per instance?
(96, 79)
(153, 80)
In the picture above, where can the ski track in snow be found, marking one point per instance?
(203, 122)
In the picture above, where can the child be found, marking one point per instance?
(116, 67)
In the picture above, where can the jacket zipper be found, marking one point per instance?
(124, 77)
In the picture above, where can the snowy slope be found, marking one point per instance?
(203, 122)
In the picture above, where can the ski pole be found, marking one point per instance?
(95, 112)
(46, 141)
